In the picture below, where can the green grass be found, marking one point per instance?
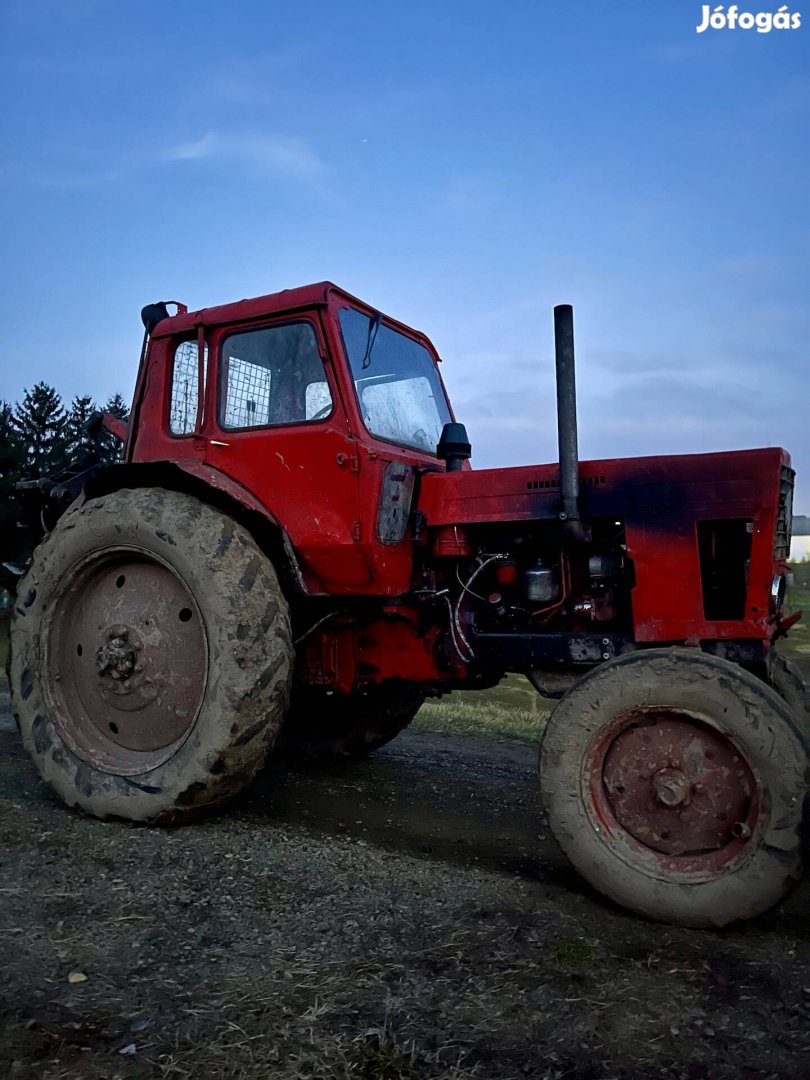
(574, 956)
(512, 710)
(797, 643)
(488, 720)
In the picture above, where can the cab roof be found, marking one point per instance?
(288, 300)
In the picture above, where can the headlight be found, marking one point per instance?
(778, 586)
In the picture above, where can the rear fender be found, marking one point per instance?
(218, 490)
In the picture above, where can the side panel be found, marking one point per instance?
(344, 655)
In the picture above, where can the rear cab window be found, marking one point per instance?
(185, 389)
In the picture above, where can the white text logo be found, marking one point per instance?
(763, 21)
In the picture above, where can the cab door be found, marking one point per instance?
(276, 424)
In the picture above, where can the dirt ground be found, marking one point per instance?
(404, 917)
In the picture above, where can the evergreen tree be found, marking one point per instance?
(10, 449)
(118, 407)
(81, 409)
(11, 459)
(39, 423)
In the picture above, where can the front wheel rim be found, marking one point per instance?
(673, 795)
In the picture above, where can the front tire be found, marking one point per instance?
(674, 783)
(151, 657)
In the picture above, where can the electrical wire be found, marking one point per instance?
(456, 632)
(484, 561)
(464, 587)
(315, 626)
(445, 596)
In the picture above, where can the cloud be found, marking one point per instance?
(263, 155)
(196, 151)
(268, 154)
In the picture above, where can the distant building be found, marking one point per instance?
(800, 538)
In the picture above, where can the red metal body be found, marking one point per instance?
(322, 485)
(660, 500)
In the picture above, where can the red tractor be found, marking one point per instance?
(296, 545)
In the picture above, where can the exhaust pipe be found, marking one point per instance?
(567, 419)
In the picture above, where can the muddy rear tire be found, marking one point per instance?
(323, 727)
(674, 783)
(151, 657)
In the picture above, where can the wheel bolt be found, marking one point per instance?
(741, 829)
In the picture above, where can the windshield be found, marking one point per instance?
(399, 390)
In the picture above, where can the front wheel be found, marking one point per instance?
(674, 783)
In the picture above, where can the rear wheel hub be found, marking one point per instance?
(128, 653)
(118, 657)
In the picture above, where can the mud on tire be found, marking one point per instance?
(151, 656)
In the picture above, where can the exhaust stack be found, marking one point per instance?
(567, 417)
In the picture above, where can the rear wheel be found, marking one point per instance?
(151, 656)
(322, 726)
(674, 782)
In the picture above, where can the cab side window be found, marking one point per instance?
(272, 376)
(185, 388)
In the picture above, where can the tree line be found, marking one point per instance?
(39, 437)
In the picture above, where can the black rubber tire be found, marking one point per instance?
(786, 678)
(324, 727)
(749, 714)
(245, 621)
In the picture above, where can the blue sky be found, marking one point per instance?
(462, 166)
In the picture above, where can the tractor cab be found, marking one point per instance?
(320, 407)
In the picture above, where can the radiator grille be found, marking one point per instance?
(784, 516)
(585, 481)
